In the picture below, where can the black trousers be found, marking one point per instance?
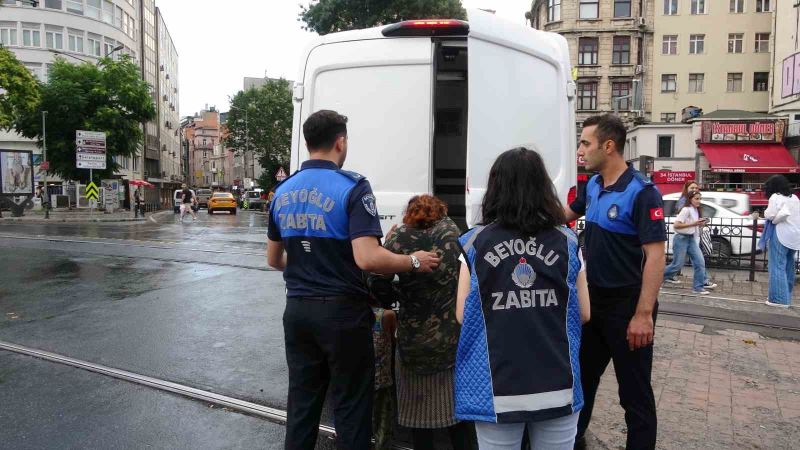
(329, 343)
(462, 437)
(604, 339)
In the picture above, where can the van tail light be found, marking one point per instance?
(433, 27)
(571, 196)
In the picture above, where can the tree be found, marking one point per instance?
(19, 90)
(110, 97)
(328, 16)
(263, 117)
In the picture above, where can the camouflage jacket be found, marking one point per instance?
(428, 332)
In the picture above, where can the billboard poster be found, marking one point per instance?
(771, 131)
(16, 172)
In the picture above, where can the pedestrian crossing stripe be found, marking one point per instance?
(91, 191)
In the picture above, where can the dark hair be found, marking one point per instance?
(323, 128)
(423, 211)
(520, 194)
(777, 184)
(609, 128)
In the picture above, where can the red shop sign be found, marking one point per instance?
(670, 177)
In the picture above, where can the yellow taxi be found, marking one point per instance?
(222, 201)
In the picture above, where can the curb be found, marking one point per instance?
(69, 220)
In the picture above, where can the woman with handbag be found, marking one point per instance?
(782, 246)
(686, 240)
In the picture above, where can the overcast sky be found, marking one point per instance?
(221, 42)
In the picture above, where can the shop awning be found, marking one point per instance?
(749, 158)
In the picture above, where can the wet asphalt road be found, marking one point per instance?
(191, 303)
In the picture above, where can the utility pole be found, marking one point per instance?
(45, 193)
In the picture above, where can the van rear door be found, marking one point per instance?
(520, 94)
(383, 85)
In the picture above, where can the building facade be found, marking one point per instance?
(207, 160)
(610, 44)
(76, 30)
(168, 113)
(711, 56)
(785, 85)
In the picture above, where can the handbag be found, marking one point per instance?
(705, 241)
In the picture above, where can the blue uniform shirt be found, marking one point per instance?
(316, 212)
(619, 219)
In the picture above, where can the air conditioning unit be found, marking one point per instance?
(165, 98)
(162, 67)
(638, 70)
(642, 22)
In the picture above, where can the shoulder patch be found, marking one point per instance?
(369, 204)
(352, 175)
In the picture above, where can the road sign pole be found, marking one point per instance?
(91, 205)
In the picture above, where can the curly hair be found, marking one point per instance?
(423, 211)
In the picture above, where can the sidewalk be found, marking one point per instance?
(734, 283)
(714, 389)
(73, 215)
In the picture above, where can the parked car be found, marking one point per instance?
(177, 199)
(731, 233)
(253, 200)
(222, 201)
(735, 201)
(202, 197)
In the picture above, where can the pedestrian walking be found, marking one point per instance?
(428, 331)
(522, 296)
(137, 203)
(686, 240)
(689, 188)
(624, 244)
(783, 211)
(384, 405)
(188, 201)
(324, 230)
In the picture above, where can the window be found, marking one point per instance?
(31, 38)
(670, 7)
(108, 12)
(698, 7)
(760, 81)
(589, 9)
(735, 43)
(696, 82)
(669, 82)
(118, 16)
(619, 90)
(93, 9)
(75, 6)
(668, 117)
(54, 40)
(697, 44)
(622, 8)
(621, 50)
(587, 51)
(75, 43)
(737, 6)
(665, 146)
(669, 44)
(54, 4)
(94, 44)
(587, 95)
(553, 10)
(763, 6)
(762, 42)
(735, 82)
(8, 34)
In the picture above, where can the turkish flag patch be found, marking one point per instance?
(656, 213)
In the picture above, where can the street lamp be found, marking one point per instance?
(247, 137)
(59, 52)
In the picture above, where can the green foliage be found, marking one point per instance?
(109, 97)
(264, 115)
(328, 16)
(19, 90)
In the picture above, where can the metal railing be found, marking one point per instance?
(734, 244)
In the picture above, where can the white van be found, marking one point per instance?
(431, 103)
(735, 201)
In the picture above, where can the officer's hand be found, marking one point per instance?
(640, 331)
(428, 261)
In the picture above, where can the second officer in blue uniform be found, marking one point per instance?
(324, 230)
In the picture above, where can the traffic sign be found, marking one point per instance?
(281, 175)
(90, 149)
(91, 191)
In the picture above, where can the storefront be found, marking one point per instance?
(668, 181)
(738, 156)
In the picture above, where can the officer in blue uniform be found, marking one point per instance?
(624, 240)
(324, 230)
